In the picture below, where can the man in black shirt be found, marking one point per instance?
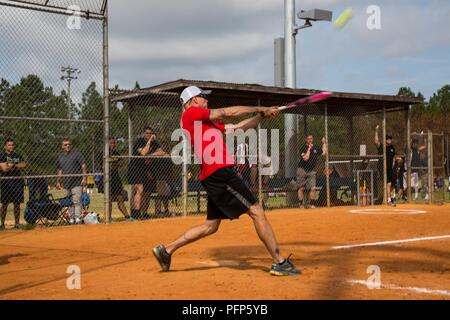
(306, 174)
(390, 162)
(12, 186)
(138, 170)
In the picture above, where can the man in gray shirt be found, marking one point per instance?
(71, 163)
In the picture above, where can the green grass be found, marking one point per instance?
(97, 204)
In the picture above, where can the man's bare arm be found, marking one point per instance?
(4, 167)
(145, 150)
(377, 138)
(307, 155)
(236, 112)
(159, 153)
(58, 179)
(324, 147)
(231, 112)
(245, 125)
(84, 171)
(21, 166)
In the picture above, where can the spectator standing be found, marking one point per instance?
(416, 164)
(306, 174)
(71, 174)
(399, 173)
(12, 186)
(138, 171)
(158, 174)
(390, 161)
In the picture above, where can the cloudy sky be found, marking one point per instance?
(232, 40)
(156, 41)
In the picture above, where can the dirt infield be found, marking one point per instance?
(116, 263)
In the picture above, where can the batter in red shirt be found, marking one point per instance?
(228, 195)
(207, 140)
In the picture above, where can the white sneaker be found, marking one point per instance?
(77, 221)
(72, 221)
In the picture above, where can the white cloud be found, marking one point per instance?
(232, 40)
(210, 49)
(407, 28)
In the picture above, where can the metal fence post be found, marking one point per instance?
(260, 177)
(408, 154)
(130, 129)
(327, 160)
(385, 191)
(184, 173)
(106, 102)
(430, 167)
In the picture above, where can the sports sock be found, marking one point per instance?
(281, 263)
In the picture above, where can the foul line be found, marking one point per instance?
(390, 242)
(396, 287)
(388, 211)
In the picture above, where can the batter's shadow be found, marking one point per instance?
(4, 260)
(237, 257)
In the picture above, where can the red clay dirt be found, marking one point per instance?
(116, 261)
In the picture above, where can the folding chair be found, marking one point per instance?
(43, 208)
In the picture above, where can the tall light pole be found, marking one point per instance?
(290, 65)
(69, 76)
(290, 81)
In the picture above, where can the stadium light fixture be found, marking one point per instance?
(313, 15)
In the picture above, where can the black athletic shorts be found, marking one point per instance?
(228, 195)
(391, 177)
(149, 185)
(116, 187)
(11, 191)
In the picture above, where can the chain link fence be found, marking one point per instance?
(51, 110)
(58, 126)
(348, 166)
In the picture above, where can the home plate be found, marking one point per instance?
(221, 263)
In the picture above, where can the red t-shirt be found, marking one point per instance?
(207, 141)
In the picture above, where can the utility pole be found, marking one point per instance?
(290, 120)
(69, 76)
(285, 76)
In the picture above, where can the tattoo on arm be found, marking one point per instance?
(217, 114)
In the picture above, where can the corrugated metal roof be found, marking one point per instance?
(179, 85)
(224, 94)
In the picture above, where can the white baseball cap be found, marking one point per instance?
(192, 92)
